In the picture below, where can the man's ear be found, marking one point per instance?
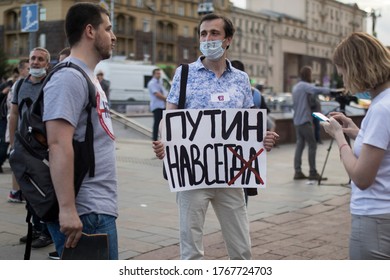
(89, 31)
(228, 42)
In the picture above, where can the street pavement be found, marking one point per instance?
(290, 219)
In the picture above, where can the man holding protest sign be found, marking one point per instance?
(213, 83)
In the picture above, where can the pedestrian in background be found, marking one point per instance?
(157, 100)
(303, 96)
(5, 89)
(64, 53)
(39, 63)
(105, 84)
(364, 64)
(15, 194)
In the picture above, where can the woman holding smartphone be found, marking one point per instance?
(364, 64)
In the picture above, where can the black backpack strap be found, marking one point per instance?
(89, 129)
(89, 140)
(25, 101)
(183, 86)
(19, 85)
(91, 104)
(27, 250)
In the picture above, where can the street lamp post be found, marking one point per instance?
(112, 14)
(239, 35)
(374, 17)
(154, 32)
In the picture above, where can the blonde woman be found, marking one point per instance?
(364, 64)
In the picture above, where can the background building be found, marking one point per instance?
(306, 33)
(274, 38)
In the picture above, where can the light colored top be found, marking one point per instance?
(374, 131)
(65, 97)
(154, 86)
(301, 93)
(206, 91)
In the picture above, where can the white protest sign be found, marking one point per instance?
(214, 148)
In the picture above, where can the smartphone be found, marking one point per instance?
(320, 116)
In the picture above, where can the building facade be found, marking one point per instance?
(274, 38)
(306, 34)
(161, 32)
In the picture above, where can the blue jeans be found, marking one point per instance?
(92, 223)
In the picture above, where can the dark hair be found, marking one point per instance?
(155, 70)
(238, 65)
(228, 25)
(306, 74)
(65, 51)
(22, 62)
(260, 87)
(79, 16)
(15, 70)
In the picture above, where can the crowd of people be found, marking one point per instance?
(361, 59)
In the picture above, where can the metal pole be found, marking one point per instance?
(112, 14)
(154, 36)
(154, 32)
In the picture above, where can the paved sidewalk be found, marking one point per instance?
(289, 219)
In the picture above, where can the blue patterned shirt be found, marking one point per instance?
(206, 91)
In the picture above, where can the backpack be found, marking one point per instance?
(256, 98)
(29, 159)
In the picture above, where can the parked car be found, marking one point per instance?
(280, 102)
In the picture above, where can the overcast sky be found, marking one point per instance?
(382, 7)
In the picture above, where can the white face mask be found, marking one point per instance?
(37, 72)
(212, 49)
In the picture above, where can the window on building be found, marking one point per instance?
(42, 14)
(186, 53)
(186, 32)
(180, 11)
(140, 3)
(12, 21)
(120, 24)
(146, 26)
(42, 40)
(131, 26)
(146, 49)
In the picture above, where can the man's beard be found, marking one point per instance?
(104, 52)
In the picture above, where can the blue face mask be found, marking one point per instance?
(212, 49)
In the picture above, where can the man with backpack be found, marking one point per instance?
(26, 92)
(15, 195)
(94, 209)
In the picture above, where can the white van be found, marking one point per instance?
(129, 81)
